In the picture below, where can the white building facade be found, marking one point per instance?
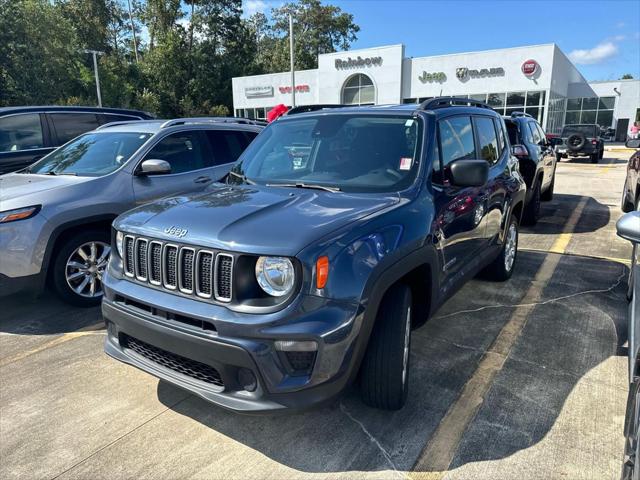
(539, 80)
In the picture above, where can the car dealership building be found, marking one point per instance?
(539, 80)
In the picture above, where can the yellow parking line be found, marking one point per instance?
(436, 457)
(51, 343)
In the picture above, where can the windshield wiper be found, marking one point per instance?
(242, 177)
(51, 172)
(306, 185)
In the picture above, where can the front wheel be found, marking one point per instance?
(79, 266)
(384, 373)
(502, 267)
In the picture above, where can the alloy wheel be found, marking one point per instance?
(85, 267)
(510, 247)
(405, 354)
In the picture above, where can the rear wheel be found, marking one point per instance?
(601, 156)
(594, 157)
(79, 266)
(384, 374)
(531, 212)
(548, 193)
(502, 267)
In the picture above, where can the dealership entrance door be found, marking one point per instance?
(622, 127)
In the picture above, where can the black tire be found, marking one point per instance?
(625, 205)
(547, 195)
(601, 155)
(384, 373)
(594, 157)
(500, 270)
(531, 212)
(59, 267)
(631, 433)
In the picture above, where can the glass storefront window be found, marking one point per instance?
(496, 99)
(409, 100)
(605, 118)
(482, 97)
(588, 116)
(515, 99)
(572, 117)
(533, 98)
(607, 103)
(590, 103)
(574, 104)
(534, 112)
(358, 90)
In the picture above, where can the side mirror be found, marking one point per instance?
(633, 143)
(469, 173)
(154, 167)
(628, 227)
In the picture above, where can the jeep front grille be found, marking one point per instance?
(189, 270)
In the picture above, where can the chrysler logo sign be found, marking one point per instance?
(358, 62)
(257, 92)
(530, 67)
(464, 73)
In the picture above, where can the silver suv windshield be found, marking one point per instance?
(345, 152)
(91, 154)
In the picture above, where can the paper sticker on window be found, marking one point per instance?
(408, 123)
(405, 163)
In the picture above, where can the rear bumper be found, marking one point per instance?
(588, 149)
(233, 355)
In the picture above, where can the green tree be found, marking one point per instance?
(626, 76)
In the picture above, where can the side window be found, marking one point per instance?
(20, 132)
(70, 125)
(455, 136)
(535, 133)
(501, 139)
(227, 145)
(110, 117)
(543, 136)
(185, 151)
(487, 139)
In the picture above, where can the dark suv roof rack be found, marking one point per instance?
(443, 102)
(313, 108)
(201, 120)
(520, 114)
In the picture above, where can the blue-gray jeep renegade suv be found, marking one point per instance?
(337, 232)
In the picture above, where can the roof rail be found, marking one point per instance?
(121, 122)
(201, 120)
(520, 114)
(443, 102)
(313, 108)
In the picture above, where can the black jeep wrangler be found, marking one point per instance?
(581, 141)
(337, 232)
(537, 159)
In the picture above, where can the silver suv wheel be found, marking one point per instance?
(510, 247)
(85, 266)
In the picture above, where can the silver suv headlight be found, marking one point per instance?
(120, 243)
(275, 275)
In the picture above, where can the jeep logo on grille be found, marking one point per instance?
(176, 231)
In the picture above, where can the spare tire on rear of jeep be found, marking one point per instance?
(576, 141)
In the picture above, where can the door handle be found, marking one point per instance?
(202, 179)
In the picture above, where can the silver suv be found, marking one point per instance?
(55, 215)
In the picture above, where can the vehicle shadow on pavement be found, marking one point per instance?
(578, 324)
(555, 213)
(602, 162)
(26, 314)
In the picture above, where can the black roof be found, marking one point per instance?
(57, 108)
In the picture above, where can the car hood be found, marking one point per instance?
(22, 189)
(252, 219)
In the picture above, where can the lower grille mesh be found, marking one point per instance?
(176, 363)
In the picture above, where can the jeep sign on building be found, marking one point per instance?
(539, 80)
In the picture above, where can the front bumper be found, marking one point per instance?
(232, 345)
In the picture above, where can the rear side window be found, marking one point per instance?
(501, 140)
(20, 132)
(535, 133)
(110, 117)
(70, 125)
(185, 151)
(487, 139)
(227, 145)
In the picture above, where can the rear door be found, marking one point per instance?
(23, 140)
(192, 167)
(459, 227)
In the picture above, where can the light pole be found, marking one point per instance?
(95, 54)
(292, 58)
(133, 32)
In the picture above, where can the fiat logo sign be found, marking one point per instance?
(530, 67)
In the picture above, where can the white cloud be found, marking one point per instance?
(601, 52)
(250, 7)
(621, 25)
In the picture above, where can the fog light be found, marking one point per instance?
(296, 346)
(247, 379)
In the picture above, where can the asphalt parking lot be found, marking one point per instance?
(525, 379)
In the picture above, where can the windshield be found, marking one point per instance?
(92, 154)
(356, 153)
(586, 130)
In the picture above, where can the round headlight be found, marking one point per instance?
(119, 243)
(275, 275)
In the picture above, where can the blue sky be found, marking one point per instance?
(602, 37)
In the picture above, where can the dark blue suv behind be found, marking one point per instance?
(337, 232)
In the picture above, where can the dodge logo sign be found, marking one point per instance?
(530, 67)
(175, 231)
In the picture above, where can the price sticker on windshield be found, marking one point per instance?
(405, 163)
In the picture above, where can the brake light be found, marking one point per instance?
(322, 272)
(594, 142)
